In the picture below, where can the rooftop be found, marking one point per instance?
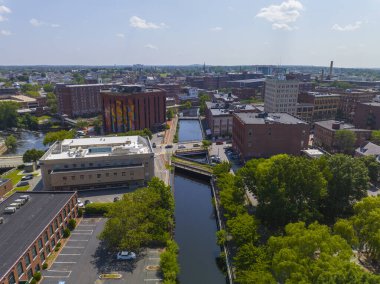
(370, 149)
(318, 94)
(98, 147)
(249, 80)
(130, 89)
(273, 117)
(376, 104)
(328, 124)
(21, 229)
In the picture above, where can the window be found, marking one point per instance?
(90, 176)
(40, 245)
(11, 278)
(42, 256)
(27, 260)
(34, 252)
(56, 223)
(60, 218)
(30, 274)
(46, 237)
(64, 212)
(64, 178)
(53, 242)
(20, 269)
(81, 176)
(107, 174)
(48, 250)
(74, 165)
(115, 174)
(91, 164)
(66, 166)
(99, 175)
(82, 165)
(72, 177)
(51, 229)
(37, 268)
(123, 174)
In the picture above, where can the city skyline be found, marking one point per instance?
(224, 32)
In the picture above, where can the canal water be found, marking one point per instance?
(195, 232)
(189, 130)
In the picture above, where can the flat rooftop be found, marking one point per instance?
(130, 89)
(329, 123)
(249, 80)
(273, 117)
(98, 147)
(376, 104)
(22, 228)
(319, 95)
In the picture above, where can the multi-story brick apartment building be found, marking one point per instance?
(281, 95)
(29, 235)
(263, 135)
(349, 100)
(133, 107)
(100, 162)
(305, 112)
(325, 105)
(79, 100)
(367, 115)
(172, 89)
(324, 134)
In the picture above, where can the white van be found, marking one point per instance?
(10, 210)
(15, 204)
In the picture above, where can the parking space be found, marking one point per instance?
(104, 195)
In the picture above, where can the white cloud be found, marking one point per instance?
(37, 23)
(121, 35)
(139, 23)
(347, 28)
(150, 46)
(4, 10)
(5, 33)
(281, 15)
(216, 29)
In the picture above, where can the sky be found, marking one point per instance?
(182, 32)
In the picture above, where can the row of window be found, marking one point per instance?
(81, 177)
(58, 223)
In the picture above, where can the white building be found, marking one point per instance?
(281, 96)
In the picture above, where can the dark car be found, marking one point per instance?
(87, 202)
(169, 146)
(154, 145)
(27, 177)
(22, 183)
(116, 199)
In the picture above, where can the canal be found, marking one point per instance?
(189, 130)
(195, 231)
(26, 140)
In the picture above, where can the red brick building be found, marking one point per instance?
(324, 134)
(367, 115)
(264, 135)
(79, 100)
(133, 107)
(29, 235)
(5, 186)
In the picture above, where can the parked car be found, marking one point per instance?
(22, 183)
(181, 146)
(116, 199)
(87, 202)
(169, 146)
(160, 135)
(154, 145)
(80, 203)
(219, 143)
(196, 145)
(125, 255)
(27, 177)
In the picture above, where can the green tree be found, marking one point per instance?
(29, 87)
(345, 229)
(97, 123)
(347, 183)
(232, 197)
(345, 141)
(28, 122)
(48, 88)
(375, 137)
(51, 101)
(203, 98)
(32, 155)
(287, 189)
(243, 229)
(373, 167)
(222, 168)
(33, 94)
(51, 137)
(188, 105)
(11, 142)
(8, 114)
(81, 123)
(206, 144)
(170, 114)
(169, 265)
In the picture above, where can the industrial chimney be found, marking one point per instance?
(331, 68)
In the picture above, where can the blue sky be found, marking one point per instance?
(218, 32)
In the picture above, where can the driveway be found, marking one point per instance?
(84, 258)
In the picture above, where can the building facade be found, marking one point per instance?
(264, 135)
(324, 134)
(133, 107)
(325, 105)
(367, 115)
(101, 162)
(79, 100)
(29, 235)
(281, 96)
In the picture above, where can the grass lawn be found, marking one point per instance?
(44, 117)
(15, 178)
(21, 188)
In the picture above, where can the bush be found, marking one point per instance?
(44, 266)
(169, 262)
(58, 245)
(56, 249)
(80, 212)
(66, 233)
(72, 224)
(33, 281)
(37, 276)
(98, 208)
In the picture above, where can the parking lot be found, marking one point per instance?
(84, 258)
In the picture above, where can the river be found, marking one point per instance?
(26, 140)
(195, 232)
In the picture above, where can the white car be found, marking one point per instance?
(80, 203)
(125, 255)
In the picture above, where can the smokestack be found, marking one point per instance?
(322, 75)
(331, 68)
